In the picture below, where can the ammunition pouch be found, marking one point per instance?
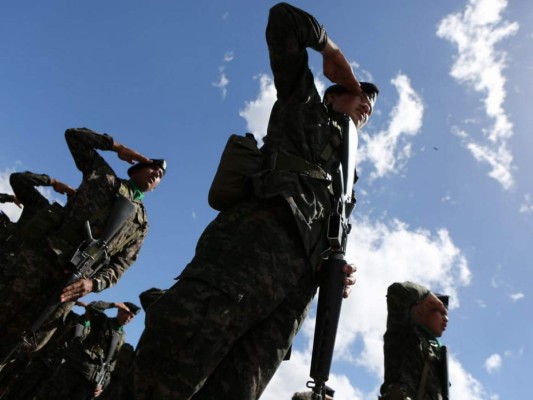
(45, 220)
(240, 160)
(295, 164)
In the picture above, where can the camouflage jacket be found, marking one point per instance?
(88, 355)
(407, 347)
(24, 186)
(299, 124)
(93, 202)
(6, 198)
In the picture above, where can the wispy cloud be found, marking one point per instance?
(223, 81)
(389, 150)
(517, 296)
(480, 65)
(493, 364)
(527, 206)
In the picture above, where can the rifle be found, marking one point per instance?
(332, 275)
(90, 256)
(445, 382)
(104, 369)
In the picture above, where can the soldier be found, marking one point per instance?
(41, 268)
(88, 364)
(415, 364)
(223, 329)
(45, 362)
(38, 215)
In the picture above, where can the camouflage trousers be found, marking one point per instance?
(223, 329)
(30, 282)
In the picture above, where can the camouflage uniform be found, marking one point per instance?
(75, 377)
(407, 347)
(40, 267)
(223, 329)
(45, 362)
(24, 186)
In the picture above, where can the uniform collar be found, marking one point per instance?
(138, 194)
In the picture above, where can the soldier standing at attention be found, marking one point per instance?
(76, 378)
(223, 329)
(42, 267)
(415, 360)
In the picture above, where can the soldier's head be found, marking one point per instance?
(357, 106)
(432, 313)
(147, 176)
(124, 316)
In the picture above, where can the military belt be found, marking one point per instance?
(290, 163)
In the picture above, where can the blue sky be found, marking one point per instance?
(445, 196)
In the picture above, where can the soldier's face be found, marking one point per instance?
(124, 317)
(148, 177)
(358, 107)
(436, 321)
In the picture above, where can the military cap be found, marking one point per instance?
(135, 309)
(160, 162)
(368, 88)
(444, 298)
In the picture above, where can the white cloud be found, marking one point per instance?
(388, 150)
(222, 82)
(257, 112)
(527, 206)
(228, 56)
(480, 66)
(464, 385)
(493, 363)
(517, 296)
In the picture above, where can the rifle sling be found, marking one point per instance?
(423, 381)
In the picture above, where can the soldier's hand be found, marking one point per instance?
(122, 306)
(337, 68)
(98, 391)
(350, 279)
(17, 202)
(129, 155)
(76, 290)
(63, 188)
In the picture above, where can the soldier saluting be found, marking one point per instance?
(42, 267)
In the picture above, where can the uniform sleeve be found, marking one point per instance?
(121, 261)
(83, 143)
(99, 306)
(6, 198)
(290, 31)
(24, 186)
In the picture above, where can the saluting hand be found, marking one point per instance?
(63, 188)
(337, 68)
(129, 155)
